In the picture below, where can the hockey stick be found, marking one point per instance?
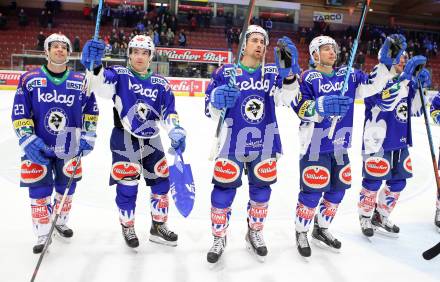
(432, 252)
(428, 132)
(232, 80)
(57, 214)
(351, 62)
(95, 37)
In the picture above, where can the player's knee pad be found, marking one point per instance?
(61, 188)
(396, 185)
(259, 194)
(221, 197)
(309, 199)
(40, 192)
(371, 184)
(334, 196)
(161, 188)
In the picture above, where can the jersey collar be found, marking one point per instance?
(248, 69)
(142, 76)
(55, 80)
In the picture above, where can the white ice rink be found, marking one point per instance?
(97, 252)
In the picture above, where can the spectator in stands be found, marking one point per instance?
(87, 11)
(123, 49)
(40, 41)
(207, 19)
(42, 19)
(49, 20)
(193, 23)
(170, 37)
(117, 14)
(140, 27)
(236, 36)
(360, 61)
(173, 24)
(182, 38)
(163, 39)
(156, 38)
(268, 25)
(229, 38)
(302, 36)
(115, 50)
(76, 44)
(22, 18)
(3, 22)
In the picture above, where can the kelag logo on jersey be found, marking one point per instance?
(330, 87)
(75, 85)
(252, 109)
(36, 82)
(55, 121)
(139, 89)
(55, 97)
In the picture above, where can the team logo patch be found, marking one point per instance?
(252, 109)
(401, 112)
(226, 171)
(55, 121)
(142, 111)
(266, 170)
(377, 166)
(70, 166)
(345, 174)
(161, 168)
(316, 177)
(407, 164)
(125, 170)
(32, 172)
(36, 83)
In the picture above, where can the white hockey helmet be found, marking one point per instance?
(56, 37)
(255, 29)
(142, 42)
(319, 41)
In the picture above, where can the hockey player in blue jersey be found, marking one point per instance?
(250, 137)
(54, 121)
(435, 114)
(325, 171)
(142, 100)
(387, 136)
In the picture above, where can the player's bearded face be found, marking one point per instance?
(255, 46)
(401, 65)
(58, 52)
(327, 54)
(140, 59)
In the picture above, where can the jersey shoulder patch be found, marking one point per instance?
(121, 70)
(310, 75)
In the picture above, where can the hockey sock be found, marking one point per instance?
(41, 213)
(367, 202)
(220, 221)
(387, 201)
(65, 210)
(257, 213)
(304, 216)
(159, 207)
(326, 214)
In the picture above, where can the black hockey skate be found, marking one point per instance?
(130, 236)
(38, 248)
(217, 249)
(302, 243)
(366, 226)
(323, 238)
(64, 231)
(384, 226)
(437, 219)
(255, 243)
(159, 233)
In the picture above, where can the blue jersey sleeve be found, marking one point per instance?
(22, 109)
(304, 102)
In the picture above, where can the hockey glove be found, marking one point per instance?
(86, 143)
(93, 50)
(425, 78)
(392, 49)
(436, 117)
(224, 97)
(333, 105)
(411, 66)
(286, 57)
(35, 149)
(178, 135)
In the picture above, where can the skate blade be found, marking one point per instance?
(324, 246)
(161, 241)
(216, 266)
(61, 238)
(254, 253)
(383, 232)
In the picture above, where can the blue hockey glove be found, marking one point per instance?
(93, 50)
(425, 78)
(178, 135)
(436, 117)
(333, 105)
(392, 49)
(86, 143)
(224, 96)
(411, 66)
(35, 149)
(286, 53)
